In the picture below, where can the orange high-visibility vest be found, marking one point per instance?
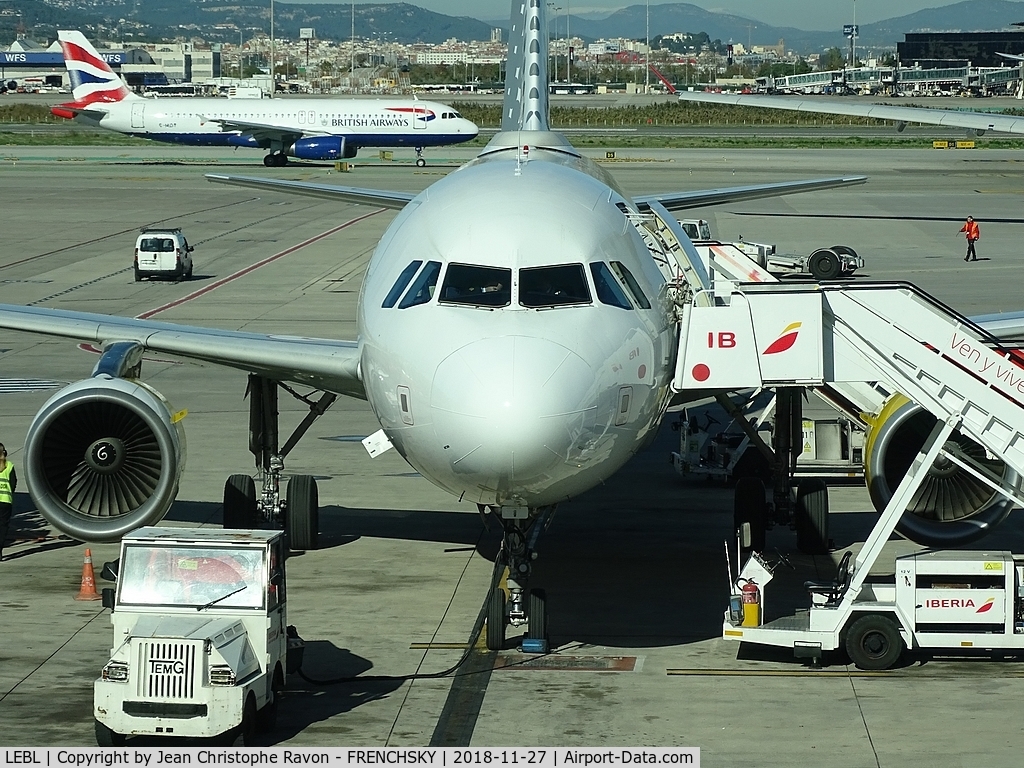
(972, 230)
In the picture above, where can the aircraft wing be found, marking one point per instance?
(359, 195)
(678, 201)
(261, 131)
(975, 121)
(321, 363)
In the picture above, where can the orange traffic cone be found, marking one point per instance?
(88, 589)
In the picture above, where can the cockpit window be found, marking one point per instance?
(634, 287)
(477, 286)
(608, 290)
(400, 284)
(553, 286)
(423, 288)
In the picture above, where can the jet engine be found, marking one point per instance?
(103, 456)
(322, 148)
(951, 507)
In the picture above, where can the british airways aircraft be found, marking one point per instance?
(517, 334)
(308, 129)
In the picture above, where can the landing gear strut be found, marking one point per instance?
(298, 512)
(523, 606)
(420, 160)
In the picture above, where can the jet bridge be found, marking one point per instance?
(781, 335)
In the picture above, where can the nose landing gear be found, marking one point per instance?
(420, 160)
(522, 606)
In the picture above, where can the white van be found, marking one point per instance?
(163, 252)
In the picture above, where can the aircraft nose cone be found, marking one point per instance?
(510, 408)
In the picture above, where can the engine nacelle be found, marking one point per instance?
(103, 457)
(322, 148)
(951, 507)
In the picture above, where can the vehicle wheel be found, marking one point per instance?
(749, 506)
(823, 264)
(266, 718)
(240, 503)
(811, 517)
(537, 615)
(843, 250)
(302, 516)
(420, 162)
(873, 642)
(138, 276)
(108, 738)
(245, 733)
(188, 272)
(280, 159)
(496, 620)
(269, 161)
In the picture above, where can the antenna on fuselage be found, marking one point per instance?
(525, 107)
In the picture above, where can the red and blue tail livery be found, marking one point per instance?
(92, 80)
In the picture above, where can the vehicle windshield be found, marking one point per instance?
(191, 576)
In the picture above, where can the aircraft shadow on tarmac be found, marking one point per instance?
(306, 703)
(637, 562)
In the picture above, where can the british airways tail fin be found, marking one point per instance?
(525, 107)
(92, 80)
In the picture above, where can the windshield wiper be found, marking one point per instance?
(222, 597)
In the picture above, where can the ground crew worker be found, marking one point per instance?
(973, 235)
(8, 482)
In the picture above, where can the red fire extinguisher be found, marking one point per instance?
(751, 604)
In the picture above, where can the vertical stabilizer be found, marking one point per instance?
(92, 79)
(526, 76)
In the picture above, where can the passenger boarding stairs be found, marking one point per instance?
(807, 334)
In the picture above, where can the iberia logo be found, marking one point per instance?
(786, 339)
(986, 606)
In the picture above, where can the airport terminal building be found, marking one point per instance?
(980, 49)
(30, 65)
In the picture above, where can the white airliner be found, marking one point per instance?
(308, 129)
(517, 333)
(977, 123)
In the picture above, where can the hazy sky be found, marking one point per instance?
(802, 14)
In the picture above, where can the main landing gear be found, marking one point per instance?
(275, 160)
(522, 606)
(420, 160)
(298, 512)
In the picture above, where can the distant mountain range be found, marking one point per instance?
(220, 20)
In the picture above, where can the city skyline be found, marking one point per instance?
(800, 14)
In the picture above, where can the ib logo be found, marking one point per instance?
(721, 340)
(785, 340)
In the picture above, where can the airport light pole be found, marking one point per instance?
(554, 56)
(854, 62)
(273, 62)
(568, 56)
(647, 52)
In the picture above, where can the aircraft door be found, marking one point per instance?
(138, 119)
(419, 117)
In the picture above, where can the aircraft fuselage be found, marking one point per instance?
(362, 122)
(512, 400)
